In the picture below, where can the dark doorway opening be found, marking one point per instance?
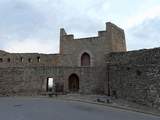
(73, 83)
(59, 87)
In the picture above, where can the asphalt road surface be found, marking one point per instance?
(50, 109)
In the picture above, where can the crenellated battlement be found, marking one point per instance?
(109, 26)
(112, 39)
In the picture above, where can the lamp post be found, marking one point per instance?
(108, 78)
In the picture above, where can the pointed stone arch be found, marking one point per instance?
(73, 83)
(85, 59)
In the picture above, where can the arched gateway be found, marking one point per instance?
(73, 83)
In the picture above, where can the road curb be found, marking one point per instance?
(112, 106)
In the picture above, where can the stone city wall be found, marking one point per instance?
(135, 76)
(33, 80)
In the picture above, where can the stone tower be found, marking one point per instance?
(110, 40)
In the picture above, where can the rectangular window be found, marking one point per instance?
(8, 60)
(38, 59)
(22, 59)
(1, 60)
(29, 60)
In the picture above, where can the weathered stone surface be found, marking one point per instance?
(32, 80)
(135, 76)
(27, 73)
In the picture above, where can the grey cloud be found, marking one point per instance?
(145, 35)
(148, 30)
(41, 19)
(19, 19)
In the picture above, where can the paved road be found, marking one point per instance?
(49, 109)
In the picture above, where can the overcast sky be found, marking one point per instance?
(33, 25)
